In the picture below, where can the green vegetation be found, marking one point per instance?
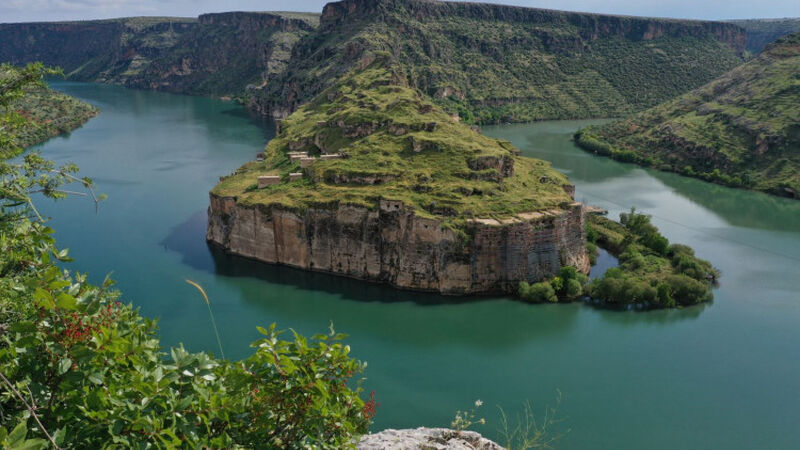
(567, 286)
(79, 369)
(39, 112)
(741, 130)
(651, 272)
(762, 32)
(494, 63)
(396, 145)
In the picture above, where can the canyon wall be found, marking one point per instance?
(217, 54)
(496, 63)
(390, 244)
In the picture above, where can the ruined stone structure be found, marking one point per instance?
(391, 244)
(268, 180)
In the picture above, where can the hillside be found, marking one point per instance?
(761, 32)
(495, 63)
(489, 63)
(370, 137)
(742, 129)
(216, 54)
(45, 113)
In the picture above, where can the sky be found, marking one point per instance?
(51, 10)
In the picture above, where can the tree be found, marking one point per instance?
(82, 370)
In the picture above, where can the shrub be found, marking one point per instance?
(538, 292)
(686, 290)
(81, 370)
(574, 288)
(592, 252)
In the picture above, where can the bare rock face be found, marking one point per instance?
(427, 439)
(390, 244)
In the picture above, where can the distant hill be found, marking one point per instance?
(489, 63)
(742, 129)
(216, 54)
(493, 63)
(761, 32)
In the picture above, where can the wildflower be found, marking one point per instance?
(478, 403)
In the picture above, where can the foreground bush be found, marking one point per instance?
(79, 369)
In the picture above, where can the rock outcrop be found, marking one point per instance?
(426, 439)
(393, 245)
(217, 54)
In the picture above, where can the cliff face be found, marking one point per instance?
(494, 63)
(394, 246)
(762, 32)
(217, 54)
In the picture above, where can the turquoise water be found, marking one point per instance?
(726, 375)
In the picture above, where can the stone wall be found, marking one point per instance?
(397, 247)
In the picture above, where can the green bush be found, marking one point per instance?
(81, 370)
(687, 291)
(574, 288)
(541, 292)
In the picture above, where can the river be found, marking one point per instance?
(724, 375)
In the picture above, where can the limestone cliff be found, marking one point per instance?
(395, 246)
(217, 54)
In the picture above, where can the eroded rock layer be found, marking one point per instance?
(391, 244)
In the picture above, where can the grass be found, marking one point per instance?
(740, 130)
(500, 64)
(455, 174)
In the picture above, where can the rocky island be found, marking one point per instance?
(373, 181)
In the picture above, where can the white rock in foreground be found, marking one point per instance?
(426, 438)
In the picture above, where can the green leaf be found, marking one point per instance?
(18, 434)
(43, 299)
(22, 327)
(30, 444)
(96, 377)
(66, 301)
(64, 365)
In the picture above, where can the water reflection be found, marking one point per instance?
(738, 207)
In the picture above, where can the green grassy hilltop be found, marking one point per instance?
(395, 144)
(742, 129)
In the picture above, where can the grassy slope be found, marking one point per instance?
(743, 129)
(762, 32)
(493, 64)
(49, 114)
(436, 180)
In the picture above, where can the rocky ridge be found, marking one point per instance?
(216, 54)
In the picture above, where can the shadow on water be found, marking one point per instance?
(188, 240)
